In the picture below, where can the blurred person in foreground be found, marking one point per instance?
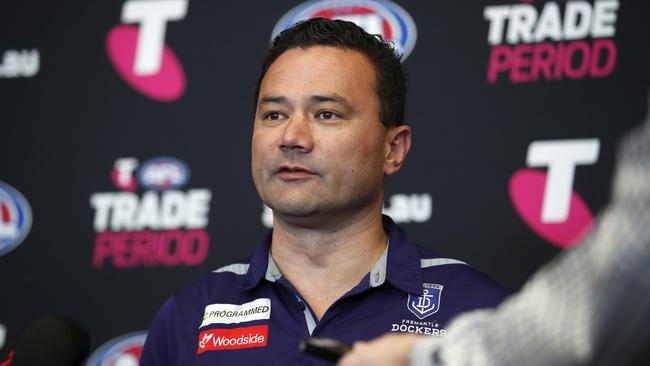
(590, 306)
(328, 131)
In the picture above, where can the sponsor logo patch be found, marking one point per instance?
(231, 313)
(237, 338)
(427, 304)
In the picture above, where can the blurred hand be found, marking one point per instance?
(387, 350)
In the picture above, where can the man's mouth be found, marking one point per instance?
(294, 172)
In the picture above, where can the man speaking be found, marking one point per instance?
(328, 131)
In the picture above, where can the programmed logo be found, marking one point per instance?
(121, 351)
(15, 218)
(381, 17)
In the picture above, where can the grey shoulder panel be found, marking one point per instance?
(236, 268)
(433, 262)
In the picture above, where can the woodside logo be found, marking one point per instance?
(237, 338)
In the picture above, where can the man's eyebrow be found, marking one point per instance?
(336, 98)
(274, 99)
(318, 98)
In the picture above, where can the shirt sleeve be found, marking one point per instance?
(591, 305)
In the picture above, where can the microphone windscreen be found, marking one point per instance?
(52, 341)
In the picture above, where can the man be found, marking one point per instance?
(591, 306)
(328, 130)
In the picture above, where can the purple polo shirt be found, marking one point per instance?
(248, 314)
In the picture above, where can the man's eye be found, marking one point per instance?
(327, 115)
(273, 116)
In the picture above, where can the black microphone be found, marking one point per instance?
(326, 349)
(51, 341)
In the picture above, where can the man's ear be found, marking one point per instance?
(398, 144)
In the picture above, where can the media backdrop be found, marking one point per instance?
(125, 140)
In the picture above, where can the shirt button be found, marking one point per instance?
(376, 278)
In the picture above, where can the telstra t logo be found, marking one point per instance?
(545, 200)
(139, 53)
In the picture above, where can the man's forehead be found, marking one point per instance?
(322, 57)
(329, 73)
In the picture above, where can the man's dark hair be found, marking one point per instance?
(390, 79)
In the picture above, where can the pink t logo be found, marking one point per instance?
(139, 54)
(546, 201)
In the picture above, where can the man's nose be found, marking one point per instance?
(297, 134)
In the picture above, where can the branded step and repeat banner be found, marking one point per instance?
(126, 125)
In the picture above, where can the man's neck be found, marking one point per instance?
(325, 264)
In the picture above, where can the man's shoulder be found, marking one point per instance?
(460, 276)
(438, 268)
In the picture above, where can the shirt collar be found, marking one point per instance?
(259, 264)
(378, 272)
(403, 260)
(272, 271)
(399, 264)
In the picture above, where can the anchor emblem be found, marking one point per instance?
(427, 304)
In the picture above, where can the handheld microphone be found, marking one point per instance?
(51, 341)
(326, 349)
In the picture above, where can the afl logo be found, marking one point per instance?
(382, 17)
(15, 218)
(163, 173)
(122, 351)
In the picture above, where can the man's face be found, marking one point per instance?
(318, 145)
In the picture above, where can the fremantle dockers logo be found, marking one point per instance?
(427, 304)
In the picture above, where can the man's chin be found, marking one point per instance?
(293, 211)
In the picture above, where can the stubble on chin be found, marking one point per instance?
(290, 205)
